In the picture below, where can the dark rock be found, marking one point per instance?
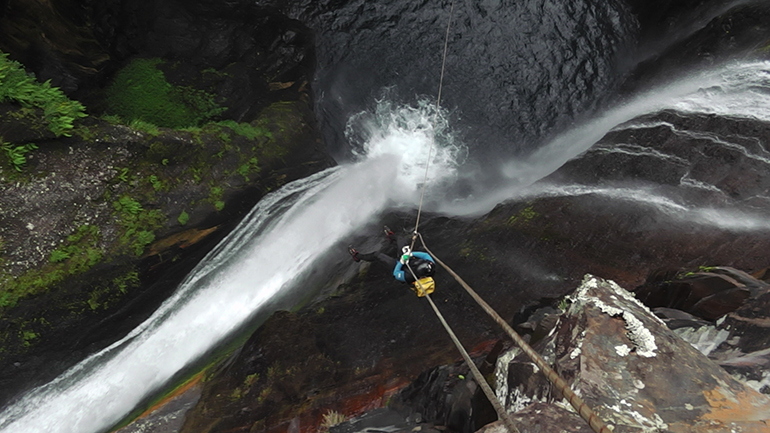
(739, 340)
(694, 34)
(707, 294)
(168, 418)
(23, 126)
(542, 418)
(382, 419)
(375, 336)
(675, 319)
(446, 396)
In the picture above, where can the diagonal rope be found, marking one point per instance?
(435, 122)
(560, 384)
(501, 412)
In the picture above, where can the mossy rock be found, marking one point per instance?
(140, 91)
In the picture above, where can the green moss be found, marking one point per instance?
(183, 218)
(79, 253)
(17, 86)
(469, 250)
(249, 167)
(252, 132)
(138, 224)
(144, 126)
(141, 92)
(156, 183)
(27, 337)
(525, 215)
(215, 197)
(107, 295)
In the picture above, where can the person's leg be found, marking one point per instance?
(377, 256)
(389, 261)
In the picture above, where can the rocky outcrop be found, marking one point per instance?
(737, 339)
(635, 372)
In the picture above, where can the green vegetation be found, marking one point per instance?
(147, 127)
(140, 93)
(331, 419)
(79, 253)
(17, 154)
(123, 175)
(469, 249)
(701, 268)
(183, 218)
(246, 129)
(27, 337)
(106, 296)
(157, 185)
(16, 85)
(525, 215)
(215, 198)
(137, 223)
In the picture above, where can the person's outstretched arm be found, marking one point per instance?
(398, 272)
(424, 256)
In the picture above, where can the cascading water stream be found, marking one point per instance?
(288, 229)
(278, 241)
(737, 90)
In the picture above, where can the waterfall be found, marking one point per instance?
(737, 90)
(284, 234)
(279, 240)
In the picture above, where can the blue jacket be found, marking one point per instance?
(400, 271)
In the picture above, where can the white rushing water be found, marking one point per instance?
(739, 90)
(290, 228)
(274, 245)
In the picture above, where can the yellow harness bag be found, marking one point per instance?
(424, 286)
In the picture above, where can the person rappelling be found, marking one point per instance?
(415, 268)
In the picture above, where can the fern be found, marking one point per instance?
(17, 154)
(17, 86)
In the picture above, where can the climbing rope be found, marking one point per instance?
(501, 412)
(585, 412)
(435, 122)
(560, 384)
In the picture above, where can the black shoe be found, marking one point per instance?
(353, 253)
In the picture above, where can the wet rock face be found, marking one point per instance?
(708, 294)
(664, 192)
(699, 34)
(634, 372)
(258, 53)
(374, 335)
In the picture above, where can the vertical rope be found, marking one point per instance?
(585, 412)
(435, 121)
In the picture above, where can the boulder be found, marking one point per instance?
(632, 370)
(709, 293)
(739, 340)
